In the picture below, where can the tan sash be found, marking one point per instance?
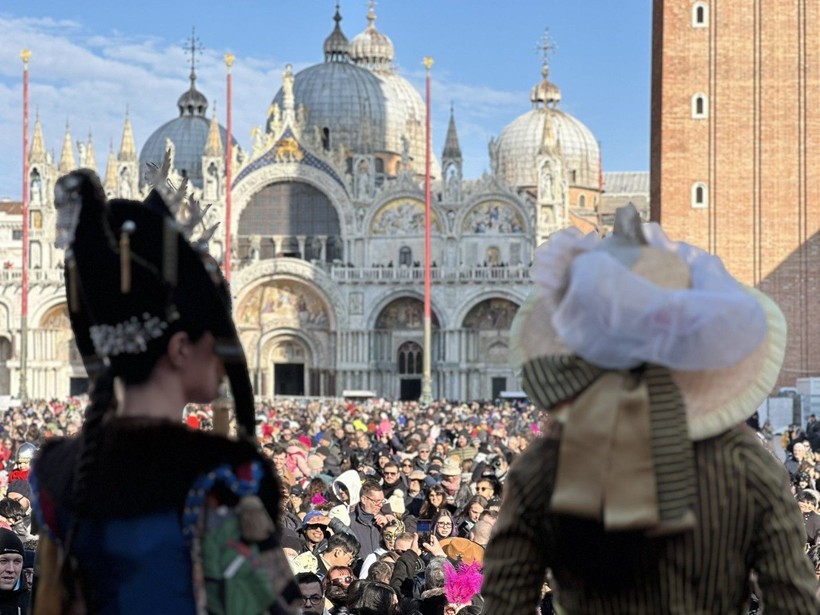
(625, 457)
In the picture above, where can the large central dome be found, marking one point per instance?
(360, 102)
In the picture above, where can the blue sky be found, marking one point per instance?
(90, 64)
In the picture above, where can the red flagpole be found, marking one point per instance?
(229, 58)
(426, 381)
(25, 55)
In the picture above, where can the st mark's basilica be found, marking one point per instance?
(327, 218)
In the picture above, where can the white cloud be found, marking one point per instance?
(90, 80)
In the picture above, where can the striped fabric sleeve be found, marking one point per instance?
(786, 579)
(516, 559)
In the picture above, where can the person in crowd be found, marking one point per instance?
(795, 458)
(335, 586)
(314, 530)
(443, 525)
(480, 534)
(279, 457)
(468, 516)
(407, 467)
(375, 599)
(122, 505)
(807, 501)
(390, 532)
(12, 516)
(14, 591)
(457, 493)
(341, 550)
(312, 594)
(651, 460)
(380, 571)
(435, 500)
(347, 488)
(23, 457)
(486, 488)
(366, 519)
(392, 479)
(422, 461)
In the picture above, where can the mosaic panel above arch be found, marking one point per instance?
(284, 303)
(493, 218)
(404, 313)
(496, 314)
(403, 216)
(56, 318)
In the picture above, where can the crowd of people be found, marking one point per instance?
(388, 506)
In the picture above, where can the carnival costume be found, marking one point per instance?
(144, 515)
(647, 495)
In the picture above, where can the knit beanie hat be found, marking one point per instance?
(10, 543)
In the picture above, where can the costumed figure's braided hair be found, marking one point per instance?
(134, 279)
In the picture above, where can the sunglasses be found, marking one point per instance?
(342, 580)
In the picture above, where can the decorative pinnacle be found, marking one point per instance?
(229, 58)
(546, 46)
(25, 55)
(194, 45)
(428, 63)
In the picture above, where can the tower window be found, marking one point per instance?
(700, 15)
(582, 201)
(326, 138)
(700, 196)
(700, 109)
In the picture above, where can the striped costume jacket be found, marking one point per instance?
(747, 520)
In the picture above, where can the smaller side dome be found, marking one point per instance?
(371, 48)
(337, 47)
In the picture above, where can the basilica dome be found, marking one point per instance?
(515, 151)
(188, 132)
(357, 99)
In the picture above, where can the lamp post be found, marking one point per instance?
(25, 55)
(229, 58)
(426, 397)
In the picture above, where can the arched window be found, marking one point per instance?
(700, 196)
(405, 256)
(410, 359)
(582, 201)
(700, 15)
(326, 138)
(700, 107)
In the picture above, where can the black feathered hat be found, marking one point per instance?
(133, 279)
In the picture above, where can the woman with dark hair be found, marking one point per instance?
(468, 516)
(435, 499)
(375, 599)
(140, 513)
(443, 525)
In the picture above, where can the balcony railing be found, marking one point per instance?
(15, 274)
(452, 275)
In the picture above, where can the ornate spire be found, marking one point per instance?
(337, 47)
(89, 160)
(110, 181)
(37, 153)
(545, 92)
(213, 146)
(288, 101)
(67, 161)
(452, 149)
(128, 150)
(193, 102)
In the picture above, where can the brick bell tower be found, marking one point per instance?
(735, 162)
